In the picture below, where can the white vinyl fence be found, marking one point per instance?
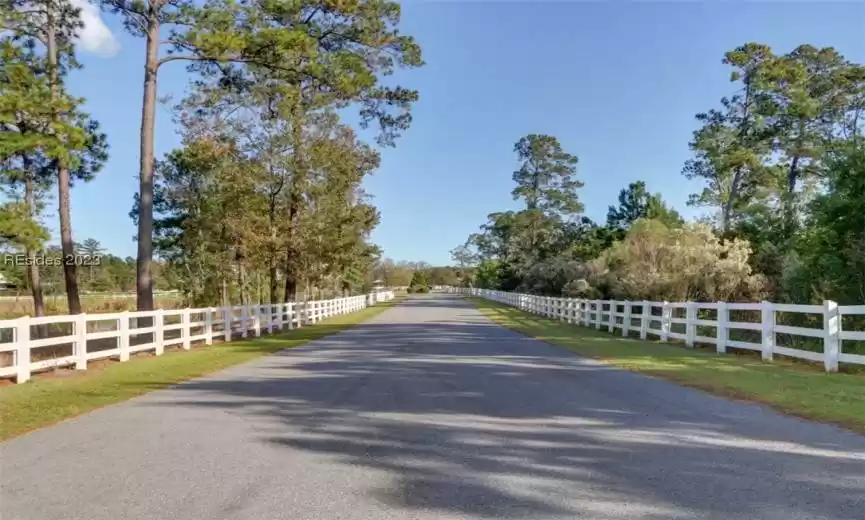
(661, 318)
(34, 344)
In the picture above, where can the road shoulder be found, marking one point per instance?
(45, 401)
(791, 388)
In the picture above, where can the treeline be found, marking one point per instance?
(403, 273)
(782, 162)
(263, 199)
(98, 271)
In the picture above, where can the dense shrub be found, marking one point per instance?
(655, 262)
(552, 276)
(418, 283)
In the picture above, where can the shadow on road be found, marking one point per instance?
(471, 418)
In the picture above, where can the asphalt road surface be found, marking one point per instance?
(430, 411)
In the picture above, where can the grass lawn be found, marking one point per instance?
(47, 400)
(793, 388)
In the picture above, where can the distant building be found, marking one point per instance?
(378, 285)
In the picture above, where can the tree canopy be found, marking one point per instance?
(780, 160)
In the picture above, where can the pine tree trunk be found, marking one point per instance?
(241, 281)
(297, 186)
(271, 215)
(790, 199)
(144, 280)
(727, 212)
(290, 280)
(259, 293)
(274, 297)
(33, 279)
(67, 246)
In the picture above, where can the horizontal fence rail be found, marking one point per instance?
(756, 325)
(29, 345)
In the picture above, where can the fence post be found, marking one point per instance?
(81, 342)
(626, 320)
(721, 333)
(269, 307)
(690, 323)
(598, 314)
(644, 319)
(208, 326)
(227, 317)
(289, 312)
(767, 322)
(831, 335)
(244, 321)
(666, 311)
(185, 329)
(158, 333)
(256, 319)
(22, 349)
(280, 321)
(611, 325)
(123, 335)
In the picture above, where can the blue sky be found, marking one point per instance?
(617, 83)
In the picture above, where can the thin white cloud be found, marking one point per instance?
(95, 38)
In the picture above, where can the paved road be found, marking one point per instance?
(431, 412)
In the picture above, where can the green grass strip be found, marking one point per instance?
(47, 400)
(790, 387)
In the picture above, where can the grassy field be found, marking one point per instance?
(47, 400)
(793, 388)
